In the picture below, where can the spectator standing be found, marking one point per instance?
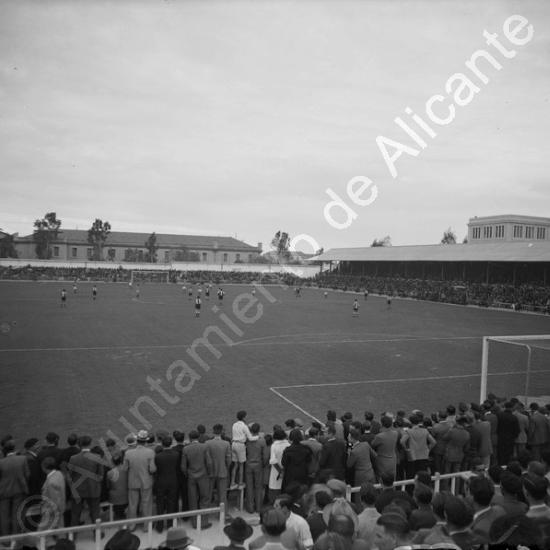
(360, 460)
(316, 447)
(418, 442)
(196, 465)
(334, 454)
(167, 464)
(14, 475)
(385, 446)
(257, 458)
(539, 431)
(220, 458)
(86, 478)
(507, 432)
(240, 435)
(140, 463)
(53, 502)
(117, 485)
(179, 438)
(280, 443)
(296, 461)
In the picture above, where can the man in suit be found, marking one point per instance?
(257, 457)
(167, 462)
(86, 477)
(482, 492)
(385, 446)
(220, 459)
(196, 465)
(539, 431)
(140, 463)
(179, 438)
(50, 449)
(334, 454)
(507, 432)
(53, 497)
(360, 461)
(14, 473)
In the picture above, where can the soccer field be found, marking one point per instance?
(119, 364)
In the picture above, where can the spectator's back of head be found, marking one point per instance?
(322, 499)
(193, 435)
(341, 524)
(72, 440)
(482, 490)
(457, 512)
(273, 522)
(368, 494)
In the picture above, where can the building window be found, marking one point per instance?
(166, 255)
(56, 251)
(89, 253)
(488, 232)
(74, 252)
(237, 257)
(518, 231)
(250, 258)
(204, 257)
(499, 231)
(225, 257)
(541, 232)
(476, 232)
(529, 232)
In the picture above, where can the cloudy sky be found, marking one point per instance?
(233, 117)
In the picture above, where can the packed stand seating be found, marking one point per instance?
(524, 296)
(296, 479)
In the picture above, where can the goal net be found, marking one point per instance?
(516, 366)
(143, 276)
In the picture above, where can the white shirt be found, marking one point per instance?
(301, 528)
(241, 432)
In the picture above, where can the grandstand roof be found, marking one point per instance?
(137, 240)
(493, 252)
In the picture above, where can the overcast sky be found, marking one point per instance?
(234, 117)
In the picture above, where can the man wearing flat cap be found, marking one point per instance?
(140, 463)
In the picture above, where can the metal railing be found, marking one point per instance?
(99, 526)
(437, 478)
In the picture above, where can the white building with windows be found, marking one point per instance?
(508, 228)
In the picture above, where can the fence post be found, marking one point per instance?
(97, 532)
(348, 493)
(222, 519)
(437, 482)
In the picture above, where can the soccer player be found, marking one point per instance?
(366, 294)
(94, 292)
(355, 308)
(220, 295)
(197, 306)
(137, 291)
(325, 294)
(63, 298)
(190, 293)
(74, 288)
(207, 292)
(253, 291)
(388, 301)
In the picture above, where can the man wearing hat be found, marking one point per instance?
(123, 540)
(140, 463)
(177, 539)
(237, 532)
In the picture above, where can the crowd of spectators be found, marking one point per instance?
(296, 478)
(48, 273)
(524, 296)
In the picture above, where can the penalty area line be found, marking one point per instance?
(303, 411)
(403, 380)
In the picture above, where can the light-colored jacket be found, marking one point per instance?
(140, 463)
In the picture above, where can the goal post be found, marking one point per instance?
(149, 276)
(516, 365)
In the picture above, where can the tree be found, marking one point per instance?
(45, 233)
(151, 246)
(97, 235)
(449, 237)
(7, 246)
(281, 243)
(385, 241)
